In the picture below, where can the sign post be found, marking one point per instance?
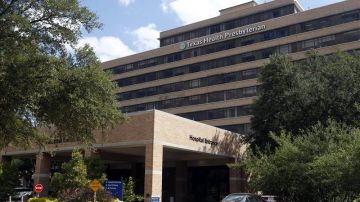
(115, 187)
(95, 185)
(38, 189)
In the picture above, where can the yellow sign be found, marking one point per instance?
(95, 185)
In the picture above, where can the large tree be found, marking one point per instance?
(320, 165)
(298, 95)
(42, 83)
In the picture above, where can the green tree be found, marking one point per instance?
(297, 95)
(129, 193)
(73, 175)
(321, 164)
(96, 168)
(9, 178)
(41, 84)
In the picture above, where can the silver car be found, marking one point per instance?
(242, 197)
(22, 194)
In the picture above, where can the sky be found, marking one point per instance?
(133, 26)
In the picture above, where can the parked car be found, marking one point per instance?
(242, 197)
(22, 193)
(271, 198)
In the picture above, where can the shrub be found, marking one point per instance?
(84, 195)
(129, 194)
(96, 168)
(9, 178)
(42, 200)
(73, 175)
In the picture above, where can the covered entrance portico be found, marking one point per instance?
(170, 157)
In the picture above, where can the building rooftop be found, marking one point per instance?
(246, 9)
(238, 7)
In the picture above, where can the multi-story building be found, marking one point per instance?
(207, 71)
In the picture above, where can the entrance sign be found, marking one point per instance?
(115, 187)
(203, 140)
(38, 188)
(95, 185)
(155, 199)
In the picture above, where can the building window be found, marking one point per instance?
(195, 83)
(194, 68)
(247, 42)
(150, 77)
(352, 36)
(215, 29)
(178, 71)
(267, 53)
(232, 94)
(249, 74)
(215, 97)
(285, 49)
(308, 44)
(247, 57)
(195, 99)
(167, 104)
(250, 91)
(150, 106)
(326, 41)
(351, 16)
(231, 77)
(151, 91)
(217, 114)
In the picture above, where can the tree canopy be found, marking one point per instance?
(297, 95)
(73, 175)
(42, 83)
(321, 164)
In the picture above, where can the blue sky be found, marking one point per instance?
(132, 26)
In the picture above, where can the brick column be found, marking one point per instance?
(237, 180)
(153, 171)
(42, 172)
(181, 181)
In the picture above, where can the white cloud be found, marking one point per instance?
(146, 37)
(189, 11)
(108, 47)
(126, 2)
(164, 6)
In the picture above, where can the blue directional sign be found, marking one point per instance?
(155, 199)
(115, 187)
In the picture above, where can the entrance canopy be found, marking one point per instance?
(155, 140)
(181, 138)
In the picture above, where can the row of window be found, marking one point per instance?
(246, 57)
(198, 66)
(190, 84)
(282, 32)
(195, 99)
(188, 69)
(259, 17)
(238, 128)
(229, 112)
